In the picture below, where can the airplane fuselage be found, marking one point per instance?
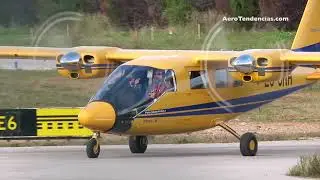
(188, 110)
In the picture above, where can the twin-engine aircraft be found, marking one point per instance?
(153, 92)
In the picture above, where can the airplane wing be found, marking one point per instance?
(76, 63)
(41, 53)
(88, 62)
(198, 56)
(302, 58)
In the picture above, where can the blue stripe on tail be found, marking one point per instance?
(311, 48)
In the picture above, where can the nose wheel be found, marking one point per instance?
(248, 141)
(93, 146)
(138, 144)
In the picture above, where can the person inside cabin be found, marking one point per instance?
(169, 81)
(134, 82)
(138, 83)
(159, 86)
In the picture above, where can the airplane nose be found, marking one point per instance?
(98, 116)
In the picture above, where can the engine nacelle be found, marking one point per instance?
(259, 66)
(86, 63)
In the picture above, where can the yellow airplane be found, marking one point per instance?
(153, 92)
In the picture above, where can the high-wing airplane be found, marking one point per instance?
(153, 92)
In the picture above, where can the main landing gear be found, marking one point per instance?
(248, 141)
(138, 144)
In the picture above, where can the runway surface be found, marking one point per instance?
(160, 162)
(26, 64)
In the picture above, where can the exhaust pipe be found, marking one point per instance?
(74, 75)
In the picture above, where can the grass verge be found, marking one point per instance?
(308, 166)
(161, 139)
(92, 31)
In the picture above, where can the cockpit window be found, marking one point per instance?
(133, 88)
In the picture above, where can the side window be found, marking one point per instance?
(224, 80)
(221, 78)
(170, 81)
(198, 80)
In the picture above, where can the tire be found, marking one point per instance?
(248, 144)
(138, 144)
(93, 148)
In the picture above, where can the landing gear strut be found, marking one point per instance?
(93, 146)
(138, 144)
(248, 141)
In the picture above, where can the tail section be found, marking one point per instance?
(308, 35)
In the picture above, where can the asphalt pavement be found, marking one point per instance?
(27, 64)
(160, 162)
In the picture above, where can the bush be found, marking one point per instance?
(47, 8)
(17, 12)
(245, 8)
(135, 14)
(308, 166)
(223, 6)
(178, 11)
(279, 8)
(203, 5)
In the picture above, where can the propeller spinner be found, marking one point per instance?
(245, 64)
(71, 61)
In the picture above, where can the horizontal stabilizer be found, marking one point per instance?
(314, 76)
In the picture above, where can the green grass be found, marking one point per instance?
(26, 89)
(91, 32)
(308, 166)
(48, 89)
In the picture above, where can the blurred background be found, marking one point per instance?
(158, 24)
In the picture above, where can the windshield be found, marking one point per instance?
(133, 88)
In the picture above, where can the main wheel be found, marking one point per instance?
(138, 144)
(248, 144)
(93, 148)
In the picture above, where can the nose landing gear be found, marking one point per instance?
(138, 144)
(93, 146)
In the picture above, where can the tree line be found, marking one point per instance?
(140, 13)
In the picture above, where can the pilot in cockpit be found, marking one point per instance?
(158, 86)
